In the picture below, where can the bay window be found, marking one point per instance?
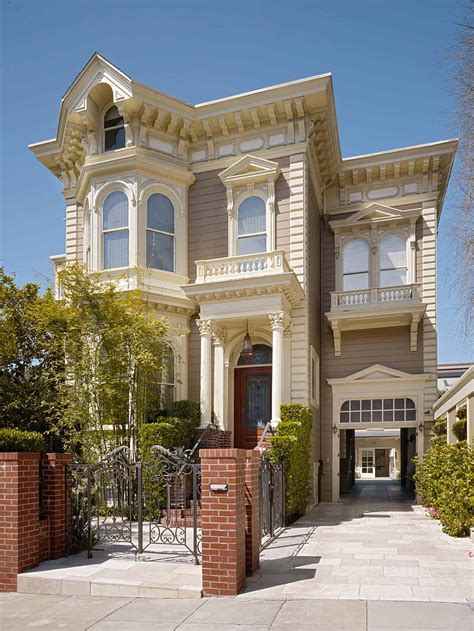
(160, 233)
(115, 231)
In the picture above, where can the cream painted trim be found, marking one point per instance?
(456, 395)
(316, 366)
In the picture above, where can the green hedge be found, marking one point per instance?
(440, 427)
(460, 429)
(176, 428)
(18, 440)
(292, 444)
(445, 485)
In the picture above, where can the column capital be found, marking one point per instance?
(204, 326)
(277, 320)
(219, 336)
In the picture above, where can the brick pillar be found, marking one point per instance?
(19, 516)
(252, 511)
(223, 521)
(54, 504)
(214, 438)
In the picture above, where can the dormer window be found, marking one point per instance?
(393, 261)
(114, 131)
(251, 226)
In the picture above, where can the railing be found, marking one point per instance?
(377, 297)
(213, 270)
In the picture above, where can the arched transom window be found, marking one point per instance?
(115, 231)
(251, 226)
(355, 265)
(114, 131)
(393, 261)
(378, 411)
(160, 233)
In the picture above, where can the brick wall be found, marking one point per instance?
(25, 539)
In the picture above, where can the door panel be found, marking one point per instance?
(367, 463)
(253, 404)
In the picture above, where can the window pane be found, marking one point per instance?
(160, 213)
(356, 256)
(355, 405)
(344, 417)
(393, 252)
(366, 404)
(159, 251)
(410, 404)
(114, 139)
(390, 278)
(112, 117)
(366, 417)
(388, 404)
(252, 216)
(345, 406)
(411, 415)
(377, 404)
(355, 281)
(116, 249)
(115, 211)
(251, 245)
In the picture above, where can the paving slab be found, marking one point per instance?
(419, 615)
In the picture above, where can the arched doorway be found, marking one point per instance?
(252, 396)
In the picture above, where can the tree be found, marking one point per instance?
(462, 233)
(31, 359)
(114, 347)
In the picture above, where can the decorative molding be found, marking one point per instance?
(205, 327)
(277, 320)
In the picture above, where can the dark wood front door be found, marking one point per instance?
(253, 404)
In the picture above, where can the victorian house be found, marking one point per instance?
(241, 222)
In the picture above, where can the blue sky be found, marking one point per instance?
(388, 59)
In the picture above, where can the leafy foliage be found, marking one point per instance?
(292, 444)
(445, 483)
(460, 429)
(114, 346)
(31, 359)
(440, 427)
(170, 431)
(186, 409)
(18, 440)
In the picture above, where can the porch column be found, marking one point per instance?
(450, 419)
(277, 325)
(219, 377)
(205, 329)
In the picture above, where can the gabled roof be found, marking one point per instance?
(377, 372)
(374, 213)
(250, 168)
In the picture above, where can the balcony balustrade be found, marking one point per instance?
(239, 267)
(375, 298)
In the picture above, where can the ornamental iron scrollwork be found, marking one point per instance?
(272, 499)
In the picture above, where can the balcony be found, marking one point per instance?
(261, 276)
(377, 307)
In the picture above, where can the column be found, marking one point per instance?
(218, 336)
(205, 329)
(470, 419)
(450, 419)
(277, 325)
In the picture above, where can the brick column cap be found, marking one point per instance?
(20, 455)
(234, 454)
(60, 457)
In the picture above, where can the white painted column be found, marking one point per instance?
(205, 329)
(450, 419)
(277, 325)
(219, 377)
(470, 419)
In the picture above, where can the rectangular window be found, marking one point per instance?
(314, 377)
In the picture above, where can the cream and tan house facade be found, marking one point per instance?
(240, 216)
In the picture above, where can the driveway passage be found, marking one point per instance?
(373, 545)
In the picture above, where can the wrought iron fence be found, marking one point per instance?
(272, 500)
(139, 503)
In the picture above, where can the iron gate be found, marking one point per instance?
(272, 499)
(140, 503)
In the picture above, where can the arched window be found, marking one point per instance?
(355, 265)
(160, 233)
(114, 131)
(393, 261)
(262, 355)
(251, 226)
(115, 230)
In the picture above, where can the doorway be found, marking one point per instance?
(367, 466)
(253, 404)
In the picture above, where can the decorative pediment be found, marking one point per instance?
(374, 214)
(378, 373)
(250, 170)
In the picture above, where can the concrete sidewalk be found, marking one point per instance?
(19, 612)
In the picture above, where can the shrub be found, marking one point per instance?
(291, 445)
(440, 427)
(186, 409)
(168, 432)
(18, 440)
(460, 429)
(445, 483)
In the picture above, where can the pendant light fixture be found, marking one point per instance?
(247, 349)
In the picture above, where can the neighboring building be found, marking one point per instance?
(240, 215)
(448, 374)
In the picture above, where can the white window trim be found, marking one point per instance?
(180, 227)
(314, 361)
(370, 271)
(103, 130)
(250, 176)
(269, 245)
